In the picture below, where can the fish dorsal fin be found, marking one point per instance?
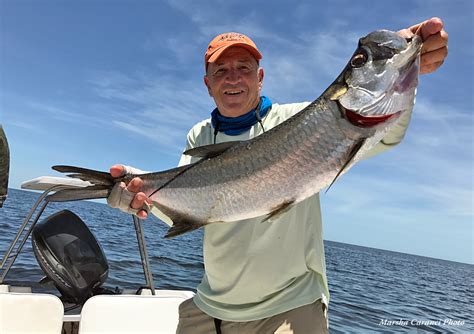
(350, 156)
(210, 151)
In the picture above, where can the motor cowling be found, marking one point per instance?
(70, 256)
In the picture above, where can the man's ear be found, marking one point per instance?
(206, 82)
(260, 74)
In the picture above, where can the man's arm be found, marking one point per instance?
(433, 54)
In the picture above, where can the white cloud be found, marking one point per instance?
(30, 127)
(307, 65)
(386, 194)
(430, 172)
(164, 135)
(301, 66)
(74, 113)
(159, 109)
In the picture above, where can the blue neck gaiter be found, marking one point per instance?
(234, 126)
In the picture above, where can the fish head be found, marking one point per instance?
(380, 79)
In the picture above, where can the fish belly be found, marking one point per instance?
(254, 182)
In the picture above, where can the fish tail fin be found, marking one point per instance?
(102, 184)
(76, 194)
(93, 176)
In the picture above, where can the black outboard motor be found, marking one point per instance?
(70, 256)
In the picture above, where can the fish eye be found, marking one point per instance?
(359, 59)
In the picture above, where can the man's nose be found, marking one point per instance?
(233, 76)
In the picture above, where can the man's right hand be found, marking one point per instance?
(127, 197)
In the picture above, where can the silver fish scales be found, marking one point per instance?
(266, 175)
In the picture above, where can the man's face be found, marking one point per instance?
(234, 80)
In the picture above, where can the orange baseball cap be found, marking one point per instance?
(221, 42)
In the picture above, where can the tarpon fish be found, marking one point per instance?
(4, 166)
(265, 176)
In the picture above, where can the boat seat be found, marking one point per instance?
(30, 313)
(132, 313)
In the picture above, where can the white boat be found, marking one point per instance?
(72, 259)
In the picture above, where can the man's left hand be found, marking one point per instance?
(435, 43)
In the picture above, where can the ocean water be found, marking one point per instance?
(372, 290)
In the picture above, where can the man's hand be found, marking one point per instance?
(435, 43)
(128, 197)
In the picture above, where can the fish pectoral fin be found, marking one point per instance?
(279, 210)
(350, 157)
(210, 151)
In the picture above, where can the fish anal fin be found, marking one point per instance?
(279, 210)
(182, 222)
(350, 157)
(182, 226)
(210, 151)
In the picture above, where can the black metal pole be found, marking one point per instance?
(143, 254)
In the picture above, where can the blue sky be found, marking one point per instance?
(93, 83)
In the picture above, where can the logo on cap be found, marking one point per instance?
(221, 42)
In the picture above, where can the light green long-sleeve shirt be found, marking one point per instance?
(255, 270)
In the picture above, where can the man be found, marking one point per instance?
(260, 278)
